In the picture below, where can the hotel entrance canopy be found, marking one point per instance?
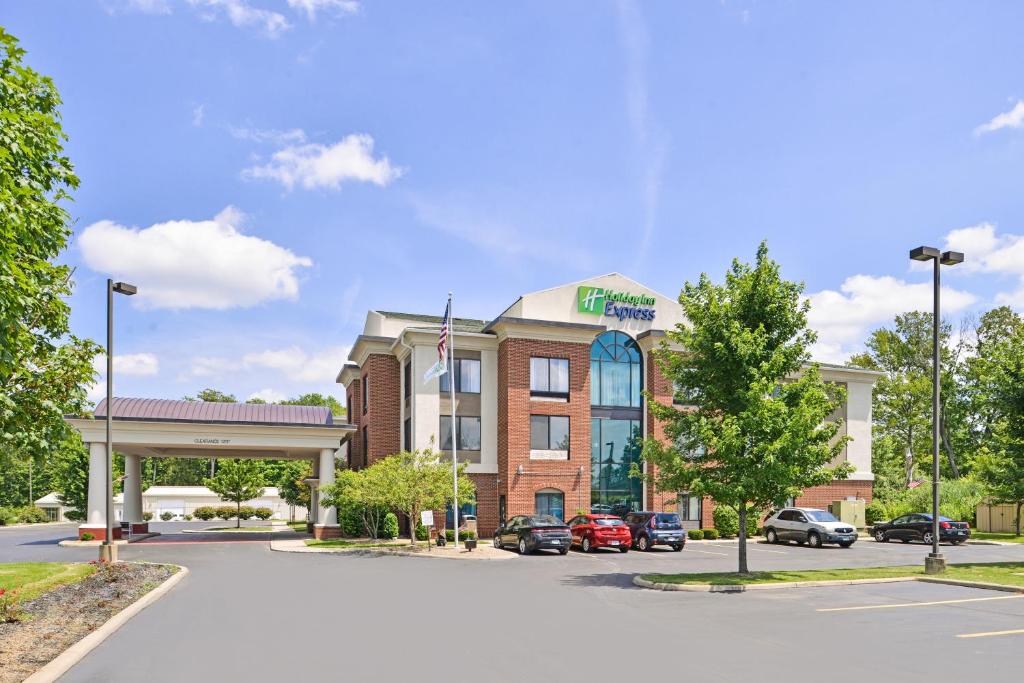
(160, 428)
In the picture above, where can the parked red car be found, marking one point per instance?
(590, 532)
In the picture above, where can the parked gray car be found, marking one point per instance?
(810, 526)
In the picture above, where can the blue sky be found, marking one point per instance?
(267, 170)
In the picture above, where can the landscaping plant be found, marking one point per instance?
(9, 606)
(237, 481)
(263, 513)
(167, 516)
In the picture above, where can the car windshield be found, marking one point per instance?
(608, 522)
(820, 516)
(545, 520)
(667, 520)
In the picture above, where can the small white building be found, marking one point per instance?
(183, 500)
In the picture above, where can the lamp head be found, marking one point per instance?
(924, 253)
(951, 258)
(125, 288)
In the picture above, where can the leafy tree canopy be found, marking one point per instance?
(237, 481)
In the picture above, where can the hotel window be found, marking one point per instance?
(366, 445)
(689, 507)
(550, 502)
(467, 431)
(615, 371)
(467, 376)
(407, 433)
(407, 378)
(366, 393)
(549, 433)
(549, 377)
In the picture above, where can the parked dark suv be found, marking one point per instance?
(656, 528)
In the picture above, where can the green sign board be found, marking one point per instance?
(618, 304)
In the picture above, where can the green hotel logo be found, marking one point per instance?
(622, 305)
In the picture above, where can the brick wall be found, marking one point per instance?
(486, 504)
(383, 415)
(823, 496)
(356, 458)
(514, 409)
(661, 390)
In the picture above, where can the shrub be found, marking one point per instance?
(87, 536)
(351, 521)
(449, 535)
(711, 534)
(389, 529)
(147, 516)
(205, 513)
(225, 512)
(727, 522)
(30, 514)
(188, 518)
(246, 512)
(263, 513)
(10, 612)
(167, 516)
(8, 516)
(874, 513)
(421, 532)
(695, 534)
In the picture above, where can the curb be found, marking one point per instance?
(972, 584)
(60, 665)
(35, 524)
(743, 588)
(374, 552)
(262, 530)
(77, 543)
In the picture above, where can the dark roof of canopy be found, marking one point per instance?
(167, 410)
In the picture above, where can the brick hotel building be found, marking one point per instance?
(549, 404)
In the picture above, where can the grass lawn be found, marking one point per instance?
(297, 526)
(987, 536)
(1009, 573)
(401, 543)
(32, 579)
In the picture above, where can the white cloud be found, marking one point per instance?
(198, 114)
(299, 366)
(1010, 119)
(986, 251)
(315, 165)
(268, 395)
(278, 137)
(311, 7)
(194, 264)
(843, 319)
(148, 6)
(134, 364)
(243, 15)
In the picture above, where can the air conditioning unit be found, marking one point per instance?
(849, 511)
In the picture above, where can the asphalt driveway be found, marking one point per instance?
(246, 613)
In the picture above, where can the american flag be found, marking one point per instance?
(442, 341)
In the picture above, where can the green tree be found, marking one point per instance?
(756, 429)
(44, 370)
(414, 481)
(69, 467)
(290, 483)
(237, 481)
(365, 492)
(315, 399)
(212, 396)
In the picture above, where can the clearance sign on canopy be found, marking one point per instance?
(614, 303)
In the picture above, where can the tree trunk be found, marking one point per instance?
(238, 515)
(1017, 520)
(413, 516)
(743, 539)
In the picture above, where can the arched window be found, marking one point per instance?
(616, 371)
(550, 502)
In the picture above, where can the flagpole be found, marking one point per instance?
(451, 394)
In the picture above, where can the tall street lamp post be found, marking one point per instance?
(935, 563)
(108, 551)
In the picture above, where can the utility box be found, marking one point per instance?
(849, 511)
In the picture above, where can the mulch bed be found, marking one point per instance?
(56, 620)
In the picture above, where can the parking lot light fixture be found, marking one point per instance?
(935, 563)
(107, 549)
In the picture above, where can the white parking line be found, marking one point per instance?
(708, 552)
(918, 604)
(991, 633)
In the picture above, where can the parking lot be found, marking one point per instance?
(572, 617)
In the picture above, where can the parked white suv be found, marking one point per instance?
(810, 526)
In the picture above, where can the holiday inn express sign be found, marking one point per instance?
(614, 303)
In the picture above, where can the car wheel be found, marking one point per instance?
(881, 537)
(643, 544)
(523, 549)
(623, 549)
(586, 545)
(956, 542)
(845, 544)
(770, 536)
(676, 548)
(814, 540)
(928, 537)
(497, 542)
(563, 551)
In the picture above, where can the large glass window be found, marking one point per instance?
(549, 376)
(549, 433)
(615, 371)
(689, 507)
(550, 502)
(467, 376)
(467, 431)
(366, 393)
(615, 447)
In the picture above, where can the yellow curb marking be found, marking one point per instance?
(991, 633)
(917, 604)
